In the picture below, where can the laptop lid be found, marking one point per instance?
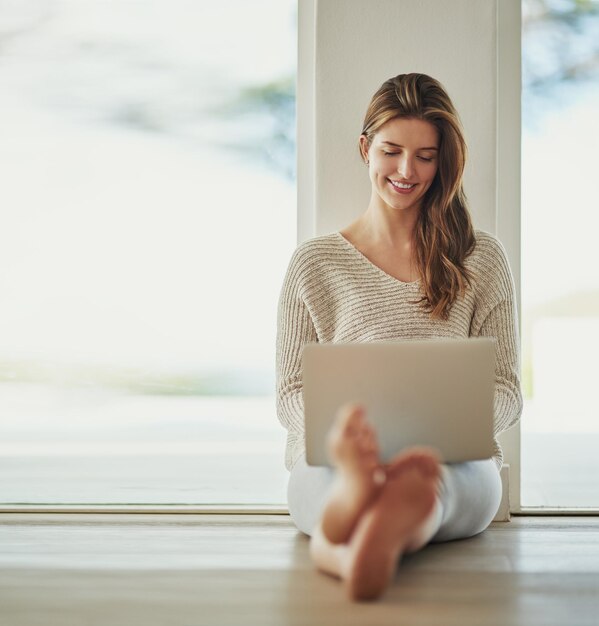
(436, 392)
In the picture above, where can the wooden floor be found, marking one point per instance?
(243, 570)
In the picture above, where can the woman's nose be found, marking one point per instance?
(405, 168)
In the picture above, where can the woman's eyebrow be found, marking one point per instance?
(396, 145)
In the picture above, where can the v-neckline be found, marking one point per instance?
(374, 265)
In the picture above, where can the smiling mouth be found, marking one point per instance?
(402, 187)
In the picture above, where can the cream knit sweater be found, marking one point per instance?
(333, 293)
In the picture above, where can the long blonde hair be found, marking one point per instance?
(443, 236)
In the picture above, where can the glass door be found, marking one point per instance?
(560, 268)
(148, 216)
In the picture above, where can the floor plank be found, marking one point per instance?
(248, 569)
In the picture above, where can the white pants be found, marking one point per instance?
(469, 496)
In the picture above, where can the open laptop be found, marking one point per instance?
(436, 392)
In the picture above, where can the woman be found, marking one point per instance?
(410, 267)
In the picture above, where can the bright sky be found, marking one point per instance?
(127, 247)
(131, 248)
(560, 211)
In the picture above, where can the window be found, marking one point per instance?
(560, 275)
(148, 216)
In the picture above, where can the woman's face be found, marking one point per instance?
(402, 162)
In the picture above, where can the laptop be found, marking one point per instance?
(436, 392)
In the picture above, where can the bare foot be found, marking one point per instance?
(393, 524)
(354, 451)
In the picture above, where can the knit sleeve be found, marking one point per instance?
(295, 328)
(500, 323)
(496, 317)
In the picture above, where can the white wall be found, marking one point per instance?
(348, 48)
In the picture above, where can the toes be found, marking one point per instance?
(431, 466)
(351, 421)
(347, 422)
(353, 439)
(348, 414)
(425, 460)
(368, 450)
(367, 442)
(429, 461)
(366, 433)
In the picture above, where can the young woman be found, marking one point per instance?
(410, 267)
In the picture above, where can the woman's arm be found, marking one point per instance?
(295, 328)
(500, 323)
(496, 317)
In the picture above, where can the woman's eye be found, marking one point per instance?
(427, 159)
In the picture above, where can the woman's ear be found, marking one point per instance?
(364, 148)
